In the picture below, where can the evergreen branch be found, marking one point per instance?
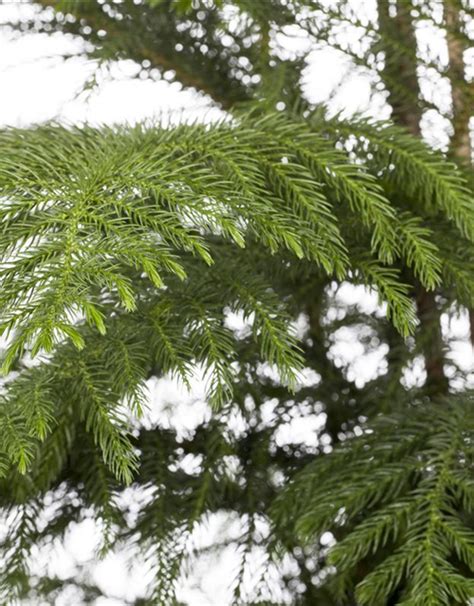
(414, 169)
(411, 524)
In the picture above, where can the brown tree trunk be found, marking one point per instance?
(399, 43)
(400, 73)
(462, 91)
(463, 99)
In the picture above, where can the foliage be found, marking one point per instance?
(400, 502)
(126, 253)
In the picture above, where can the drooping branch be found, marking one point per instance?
(143, 35)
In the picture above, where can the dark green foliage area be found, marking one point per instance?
(399, 501)
(125, 252)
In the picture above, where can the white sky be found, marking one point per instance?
(35, 85)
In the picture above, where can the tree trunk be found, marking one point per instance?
(463, 99)
(398, 40)
(462, 91)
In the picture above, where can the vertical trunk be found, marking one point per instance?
(400, 75)
(431, 341)
(462, 91)
(398, 41)
(463, 98)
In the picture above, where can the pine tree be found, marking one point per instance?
(125, 250)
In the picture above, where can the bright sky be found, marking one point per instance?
(36, 85)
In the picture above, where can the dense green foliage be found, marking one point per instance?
(399, 500)
(126, 251)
